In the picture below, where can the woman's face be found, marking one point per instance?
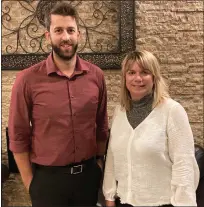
(139, 82)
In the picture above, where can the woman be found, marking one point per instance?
(150, 159)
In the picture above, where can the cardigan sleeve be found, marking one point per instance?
(185, 171)
(109, 182)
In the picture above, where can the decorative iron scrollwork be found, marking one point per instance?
(107, 28)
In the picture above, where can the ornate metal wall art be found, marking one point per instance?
(107, 29)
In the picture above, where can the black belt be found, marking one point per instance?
(73, 168)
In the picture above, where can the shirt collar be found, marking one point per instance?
(80, 67)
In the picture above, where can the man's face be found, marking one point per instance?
(63, 36)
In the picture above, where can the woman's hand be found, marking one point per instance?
(110, 203)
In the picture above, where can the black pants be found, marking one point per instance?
(57, 188)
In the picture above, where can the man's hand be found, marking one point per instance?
(110, 203)
(100, 163)
(27, 182)
(24, 166)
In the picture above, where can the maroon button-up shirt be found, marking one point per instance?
(59, 120)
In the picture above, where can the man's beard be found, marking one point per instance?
(62, 54)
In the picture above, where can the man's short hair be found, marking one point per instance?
(63, 9)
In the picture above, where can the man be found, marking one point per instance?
(58, 120)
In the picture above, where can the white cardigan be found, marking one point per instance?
(153, 164)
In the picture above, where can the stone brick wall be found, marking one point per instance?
(173, 31)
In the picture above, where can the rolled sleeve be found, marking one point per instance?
(19, 116)
(102, 120)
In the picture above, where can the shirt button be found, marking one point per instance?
(72, 96)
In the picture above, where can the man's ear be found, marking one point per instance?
(79, 34)
(47, 36)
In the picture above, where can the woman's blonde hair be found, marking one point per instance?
(147, 61)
